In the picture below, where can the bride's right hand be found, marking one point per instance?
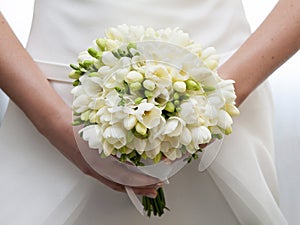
(61, 135)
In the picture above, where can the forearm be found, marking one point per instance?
(276, 40)
(24, 82)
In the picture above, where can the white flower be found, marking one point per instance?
(160, 97)
(227, 90)
(96, 103)
(148, 84)
(200, 135)
(185, 136)
(148, 114)
(153, 152)
(92, 134)
(159, 75)
(175, 36)
(109, 59)
(111, 115)
(134, 76)
(174, 126)
(224, 120)
(179, 75)
(169, 152)
(232, 110)
(173, 141)
(114, 135)
(83, 56)
(81, 103)
(208, 52)
(193, 110)
(112, 98)
(130, 122)
(126, 33)
(203, 75)
(112, 44)
(179, 86)
(91, 85)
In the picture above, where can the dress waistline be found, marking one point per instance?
(55, 71)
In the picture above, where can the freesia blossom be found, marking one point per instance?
(115, 135)
(148, 114)
(92, 134)
(200, 135)
(174, 126)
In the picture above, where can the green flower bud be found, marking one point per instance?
(101, 43)
(118, 89)
(94, 53)
(228, 131)
(87, 63)
(93, 74)
(157, 158)
(122, 150)
(141, 129)
(131, 45)
(176, 96)
(170, 107)
(85, 115)
(74, 75)
(136, 86)
(176, 102)
(148, 94)
(138, 100)
(192, 85)
(74, 67)
(77, 122)
(121, 52)
(76, 83)
(217, 136)
(208, 88)
(185, 97)
(178, 109)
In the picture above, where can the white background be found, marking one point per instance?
(284, 83)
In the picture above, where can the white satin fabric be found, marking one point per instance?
(3, 105)
(40, 186)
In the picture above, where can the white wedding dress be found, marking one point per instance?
(39, 186)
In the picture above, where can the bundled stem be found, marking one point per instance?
(155, 205)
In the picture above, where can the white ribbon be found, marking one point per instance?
(3, 104)
(135, 200)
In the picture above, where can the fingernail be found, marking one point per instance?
(158, 185)
(151, 195)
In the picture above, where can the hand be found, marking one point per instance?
(61, 135)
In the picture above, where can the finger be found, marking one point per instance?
(132, 178)
(149, 191)
(202, 146)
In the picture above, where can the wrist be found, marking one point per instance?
(241, 88)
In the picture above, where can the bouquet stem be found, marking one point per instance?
(156, 205)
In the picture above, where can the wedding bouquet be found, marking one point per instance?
(147, 96)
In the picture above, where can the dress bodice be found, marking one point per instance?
(69, 26)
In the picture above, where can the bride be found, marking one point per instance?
(39, 185)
